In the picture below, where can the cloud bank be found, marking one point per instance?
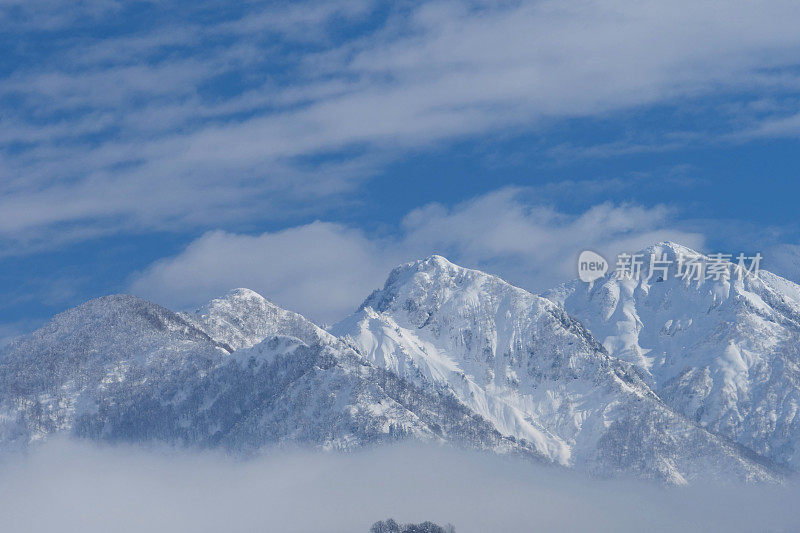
(71, 487)
(324, 270)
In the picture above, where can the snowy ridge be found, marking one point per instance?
(123, 369)
(522, 363)
(725, 353)
(687, 382)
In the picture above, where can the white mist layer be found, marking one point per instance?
(66, 487)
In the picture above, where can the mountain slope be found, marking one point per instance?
(725, 353)
(54, 375)
(123, 369)
(522, 363)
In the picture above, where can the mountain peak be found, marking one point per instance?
(115, 310)
(430, 278)
(431, 264)
(236, 296)
(670, 248)
(438, 261)
(112, 300)
(242, 318)
(242, 292)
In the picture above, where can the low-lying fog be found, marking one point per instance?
(65, 486)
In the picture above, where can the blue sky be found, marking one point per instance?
(179, 149)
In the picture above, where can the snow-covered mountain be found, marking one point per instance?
(534, 372)
(122, 369)
(685, 383)
(725, 353)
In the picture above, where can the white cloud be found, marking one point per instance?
(533, 245)
(781, 126)
(48, 15)
(321, 269)
(144, 147)
(325, 270)
(72, 487)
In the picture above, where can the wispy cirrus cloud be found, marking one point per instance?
(773, 127)
(192, 117)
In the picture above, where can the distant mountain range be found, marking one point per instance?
(667, 379)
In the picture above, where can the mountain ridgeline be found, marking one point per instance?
(674, 381)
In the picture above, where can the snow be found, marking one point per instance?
(243, 318)
(532, 371)
(617, 378)
(722, 353)
(122, 369)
